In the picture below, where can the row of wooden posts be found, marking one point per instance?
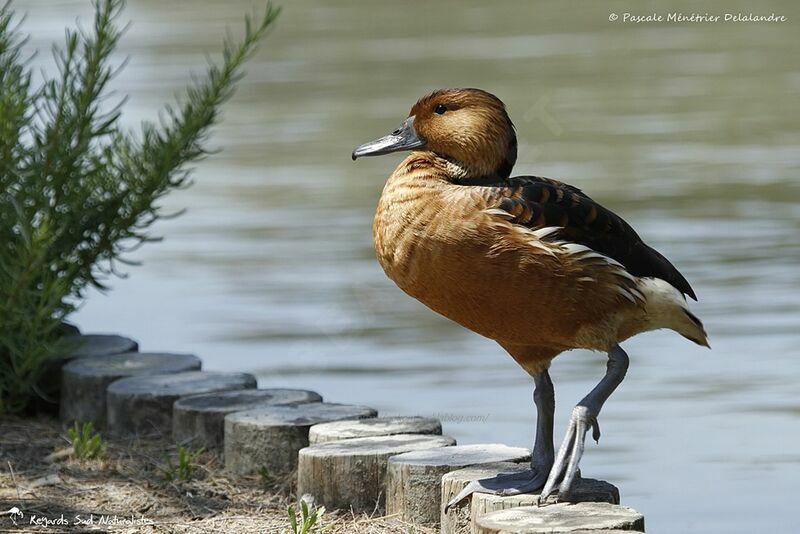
(346, 456)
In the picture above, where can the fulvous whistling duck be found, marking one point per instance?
(530, 262)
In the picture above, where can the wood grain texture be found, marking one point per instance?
(351, 473)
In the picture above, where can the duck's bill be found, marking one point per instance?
(404, 138)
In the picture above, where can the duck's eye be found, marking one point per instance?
(440, 109)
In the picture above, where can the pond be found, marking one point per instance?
(688, 130)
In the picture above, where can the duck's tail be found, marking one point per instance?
(667, 308)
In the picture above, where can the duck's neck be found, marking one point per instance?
(464, 175)
(483, 170)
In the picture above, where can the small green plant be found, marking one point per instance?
(187, 462)
(308, 518)
(86, 443)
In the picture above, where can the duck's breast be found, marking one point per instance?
(452, 257)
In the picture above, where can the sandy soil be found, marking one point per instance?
(127, 490)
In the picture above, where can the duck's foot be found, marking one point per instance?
(565, 469)
(503, 484)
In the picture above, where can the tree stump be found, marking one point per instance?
(561, 518)
(457, 519)
(352, 472)
(414, 479)
(200, 419)
(378, 426)
(68, 329)
(143, 404)
(84, 380)
(91, 345)
(586, 490)
(271, 437)
(77, 346)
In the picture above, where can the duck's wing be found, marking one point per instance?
(536, 203)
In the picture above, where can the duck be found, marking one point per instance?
(530, 262)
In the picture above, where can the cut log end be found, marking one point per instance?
(562, 517)
(271, 437)
(351, 473)
(414, 481)
(379, 426)
(199, 420)
(143, 404)
(84, 381)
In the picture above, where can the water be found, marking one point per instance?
(690, 131)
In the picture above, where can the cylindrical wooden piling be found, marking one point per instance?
(143, 404)
(457, 519)
(77, 346)
(351, 473)
(200, 419)
(84, 380)
(586, 490)
(561, 517)
(68, 329)
(413, 484)
(271, 437)
(90, 345)
(378, 426)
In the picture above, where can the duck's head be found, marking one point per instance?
(469, 128)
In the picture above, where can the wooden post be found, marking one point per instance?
(378, 426)
(586, 490)
(79, 346)
(200, 419)
(91, 345)
(84, 380)
(561, 517)
(143, 404)
(351, 473)
(271, 437)
(413, 485)
(457, 519)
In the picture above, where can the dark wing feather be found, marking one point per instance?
(541, 202)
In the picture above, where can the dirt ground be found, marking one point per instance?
(127, 490)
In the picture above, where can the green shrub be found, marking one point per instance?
(77, 191)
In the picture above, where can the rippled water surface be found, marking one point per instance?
(688, 130)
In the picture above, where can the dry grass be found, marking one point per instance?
(129, 482)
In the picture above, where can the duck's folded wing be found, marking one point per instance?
(538, 203)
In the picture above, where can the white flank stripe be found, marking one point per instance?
(626, 294)
(574, 248)
(499, 213)
(636, 293)
(541, 233)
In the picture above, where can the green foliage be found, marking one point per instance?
(308, 518)
(187, 462)
(86, 443)
(77, 191)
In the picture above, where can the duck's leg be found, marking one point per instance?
(543, 453)
(584, 416)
